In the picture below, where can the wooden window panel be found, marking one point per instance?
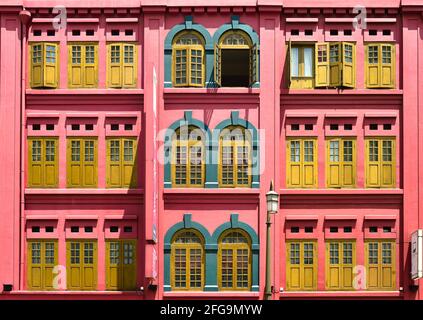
(301, 265)
(81, 265)
(42, 257)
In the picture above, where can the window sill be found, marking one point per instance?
(213, 294)
(211, 191)
(65, 292)
(341, 191)
(232, 90)
(339, 294)
(344, 91)
(81, 91)
(83, 191)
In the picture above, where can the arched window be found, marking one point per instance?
(187, 260)
(188, 60)
(188, 165)
(236, 60)
(235, 157)
(234, 265)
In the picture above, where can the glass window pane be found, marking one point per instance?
(308, 62)
(294, 61)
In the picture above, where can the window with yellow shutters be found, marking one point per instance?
(301, 162)
(188, 165)
(42, 258)
(234, 261)
(82, 65)
(42, 162)
(44, 65)
(81, 264)
(301, 265)
(340, 163)
(380, 162)
(380, 65)
(82, 162)
(187, 261)
(121, 159)
(121, 65)
(340, 261)
(380, 264)
(121, 266)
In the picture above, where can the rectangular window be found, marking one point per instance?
(301, 267)
(302, 163)
(380, 264)
(121, 65)
(44, 65)
(340, 163)
(121, 163)
(380, 162)
(82, 65)
(121, 265)
(188, 66)
(302, 66)
(81, 265)
(82, 163)
(340, 262)
(380, 65)
(42, 257)
(326, 64)
(42, 162)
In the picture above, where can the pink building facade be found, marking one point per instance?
(105, 115)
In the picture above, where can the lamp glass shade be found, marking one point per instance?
(272, 199)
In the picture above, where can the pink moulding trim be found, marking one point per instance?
(340, 217)
(380, 217)
(81, 217)
(42, 217)
(301, 217)
(302, 20)
(121, 217)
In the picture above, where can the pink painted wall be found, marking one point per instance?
(153, 108)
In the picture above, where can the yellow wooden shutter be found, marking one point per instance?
(333, 269)
(335, 64)
(348, 168)
(373, 162)
(254, 64)
(114, 63)
(51, 62)
(322, 64)
(129, 63)
(387, 65)
(293, 270)
(387, 163)
(90, 66)
(114, 167)
(217, 65)
(348, 268)
(74, 268)
(50, 154)
(36, 65)
(294, 170)
(75, 62)
(288, 62)
(89, 162)
(34, 266)
(129, 172)
(74, 166)
(309, 163)
(348, 64)
(308, 270)
(387, 268)
(372, 65)
(129, 270)
(35, 163)
(333, 167)
(89, 265)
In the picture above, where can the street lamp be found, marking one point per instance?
(272, 201)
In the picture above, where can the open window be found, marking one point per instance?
(188, 60)
(322, 65)
(236, 60)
